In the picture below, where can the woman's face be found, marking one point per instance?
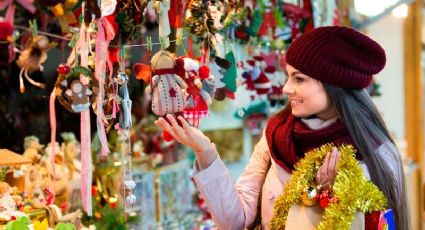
(307, 96)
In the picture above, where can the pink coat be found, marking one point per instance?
(234, 205)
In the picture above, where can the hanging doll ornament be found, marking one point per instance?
(73, 93)
(125, 102)
(197, 98)
(161, 8)
(218, 69)
(276, 96)
(32, 58)
(166, 87)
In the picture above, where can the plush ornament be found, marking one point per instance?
(230, 76)
(276, 96)
(218, 69)
(32, 58)
(296, 16)
(166, 87)
(197, 108)
(268, 24)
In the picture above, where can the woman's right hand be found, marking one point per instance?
(190, 136)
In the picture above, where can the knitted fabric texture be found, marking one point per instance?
(338, 56)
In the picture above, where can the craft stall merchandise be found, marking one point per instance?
(90, 77)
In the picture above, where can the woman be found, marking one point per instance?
(328, 70)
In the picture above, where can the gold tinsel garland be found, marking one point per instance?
(351, 188)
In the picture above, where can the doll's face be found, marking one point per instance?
(307, 96)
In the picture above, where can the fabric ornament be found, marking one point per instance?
(161, 8)
(166, 87)
(32, 58)
(296, 16)
(268, 24)
(230, 76)
(277, 80)
(197, 98)
(218, 68)
(176, 13)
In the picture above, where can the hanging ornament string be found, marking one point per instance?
(100, 68)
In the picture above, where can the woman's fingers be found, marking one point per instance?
(176, 127)
(323, 171)
(332, 164)
(161, 122)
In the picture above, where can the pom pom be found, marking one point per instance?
(191, 64)
(204, 72)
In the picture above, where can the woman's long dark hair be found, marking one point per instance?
(369, 132)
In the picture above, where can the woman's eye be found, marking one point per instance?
(299, 79)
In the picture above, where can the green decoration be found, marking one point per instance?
(257, 19)
(229, 78)
(67, 226)
(278, 17)
(21, 223)
(253, 109)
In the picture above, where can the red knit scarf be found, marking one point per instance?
(289, 138)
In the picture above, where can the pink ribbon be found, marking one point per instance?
(52, 113)
(101, 49)
(27, 4)
(86, 161)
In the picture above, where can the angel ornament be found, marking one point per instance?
(31, 60)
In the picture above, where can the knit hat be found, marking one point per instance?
(338, 56)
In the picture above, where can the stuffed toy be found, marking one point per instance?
(32, 58)
(255, 79)
(197, 98)
(275, 95)
(166, 87)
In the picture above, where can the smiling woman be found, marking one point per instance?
(328, 70)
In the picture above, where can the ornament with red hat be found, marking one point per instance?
(197, 99)
(277, 80)
(255, 77)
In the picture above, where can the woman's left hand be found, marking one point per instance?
(327, 172)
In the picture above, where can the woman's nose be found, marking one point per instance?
(288, 89)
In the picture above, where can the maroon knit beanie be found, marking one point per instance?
(338, 56)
